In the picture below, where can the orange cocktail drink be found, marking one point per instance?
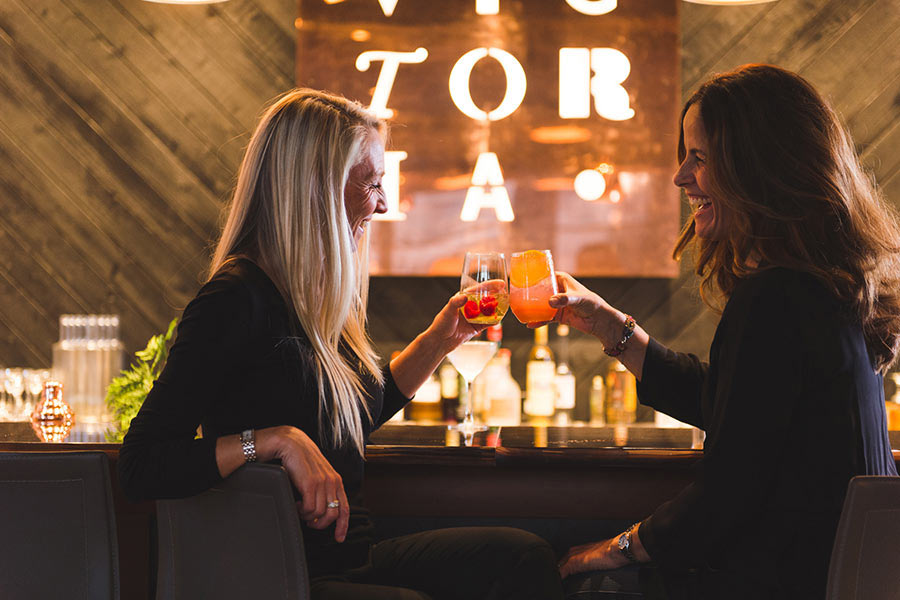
(531, 283)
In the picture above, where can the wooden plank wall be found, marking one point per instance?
(122, 123)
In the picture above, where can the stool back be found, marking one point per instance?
(865, 561)
(57, 526)
(240, 539)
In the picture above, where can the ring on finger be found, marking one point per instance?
(334, 504)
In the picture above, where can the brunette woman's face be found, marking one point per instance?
(709, 213)
(363, 194)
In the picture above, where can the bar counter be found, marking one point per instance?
(419, 476)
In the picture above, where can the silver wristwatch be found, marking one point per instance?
(248, 444)
(624, 544)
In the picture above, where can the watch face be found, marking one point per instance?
(623, 542)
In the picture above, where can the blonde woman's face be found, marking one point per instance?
(709, 213)
(363, 194)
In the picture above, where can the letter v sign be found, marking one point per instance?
(388, 6)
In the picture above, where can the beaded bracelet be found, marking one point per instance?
(626, 335)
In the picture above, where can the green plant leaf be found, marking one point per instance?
(127, 392)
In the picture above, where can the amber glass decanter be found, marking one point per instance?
(52, 419)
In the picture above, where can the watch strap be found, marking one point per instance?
(624, 544)
(248, 445)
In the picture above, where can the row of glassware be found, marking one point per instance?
(20, 391)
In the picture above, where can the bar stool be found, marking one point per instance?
(239, 539)
(864, 562)
(57, 526)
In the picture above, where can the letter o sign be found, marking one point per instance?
(462, 96)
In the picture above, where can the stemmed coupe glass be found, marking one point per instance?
(485, 286)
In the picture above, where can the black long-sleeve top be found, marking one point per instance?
(792, 409)
(238, 362)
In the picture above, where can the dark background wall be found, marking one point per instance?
(122, 123)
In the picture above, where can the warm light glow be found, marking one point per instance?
(452, 182)
(298, 23)
(390, 183)
(390, 63)
(590, 185)
(487, 191)
(561, 134)
(387, 6)
(487, 7)
(552, 184)
(360, 35)
(333, 1)
(610, 68)
(593, 7)
(188, 1)
(728, 2)
(515, 84)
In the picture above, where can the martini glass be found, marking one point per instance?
(469, 359)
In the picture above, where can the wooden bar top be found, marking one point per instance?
(527, 445)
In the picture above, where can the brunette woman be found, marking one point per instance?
(793, 238)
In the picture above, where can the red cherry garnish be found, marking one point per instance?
(470, 310)
(488, 305)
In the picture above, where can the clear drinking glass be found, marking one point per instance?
(484, 283)
(14, 384)
(469, 359)
(531, 283)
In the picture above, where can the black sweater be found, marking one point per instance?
(238, 363)
(792, 409)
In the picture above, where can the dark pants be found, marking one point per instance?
(465, 563)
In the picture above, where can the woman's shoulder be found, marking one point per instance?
(793, 292)
(241, 281)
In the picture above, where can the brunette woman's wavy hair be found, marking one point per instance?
(786, 172)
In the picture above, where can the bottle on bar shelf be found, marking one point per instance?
(598, 401)
(540, 373)
(449, 378)
(621, 395)
(893, 405)
(426, 404)
(482, 387)
(564, 382)
(503, 395)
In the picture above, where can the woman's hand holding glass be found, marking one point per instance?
(585, 310)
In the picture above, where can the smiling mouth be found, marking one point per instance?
(700, 203)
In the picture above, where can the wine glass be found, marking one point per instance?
(34, 382)
(4, 412)
(531, 283)
(14, 384)
(483, 282)
(469, 359)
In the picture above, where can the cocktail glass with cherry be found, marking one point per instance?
(484, 283)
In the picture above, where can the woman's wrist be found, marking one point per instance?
(608, 326)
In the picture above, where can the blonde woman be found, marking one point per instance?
(273, 360)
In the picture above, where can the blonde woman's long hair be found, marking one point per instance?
(288, 215)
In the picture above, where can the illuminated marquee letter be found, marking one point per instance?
(391, 184)
(487, 7)
(593, 7)
(487, 190)
(388, 6)
(515, 84)
(391, 62)
(576, 85)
